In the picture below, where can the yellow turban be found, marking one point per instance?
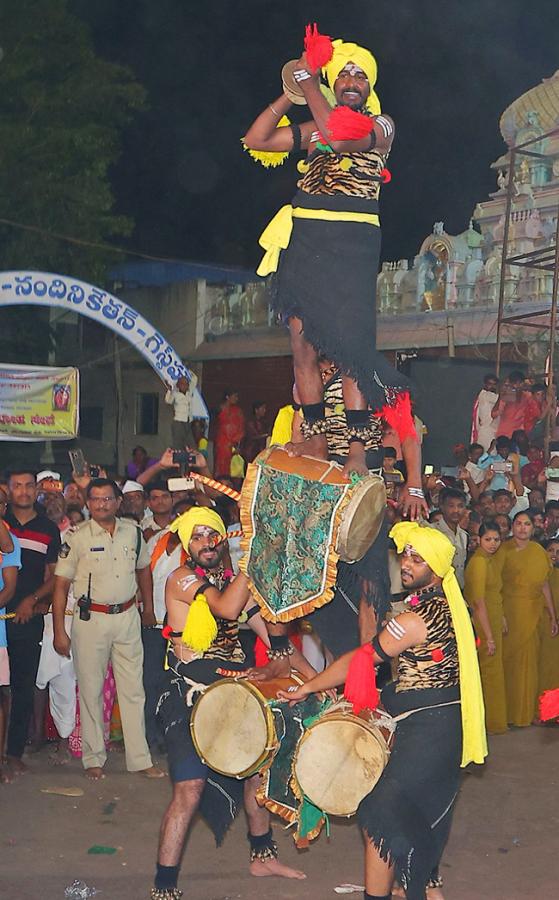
(343, 54)
(438, 553)
(200, 628)
(198, 515)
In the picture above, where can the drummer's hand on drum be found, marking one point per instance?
(413, 506)
(295, 693)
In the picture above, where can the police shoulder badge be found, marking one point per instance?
(64, 550)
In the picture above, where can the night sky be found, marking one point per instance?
(446, 73)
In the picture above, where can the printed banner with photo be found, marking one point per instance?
(39, 403)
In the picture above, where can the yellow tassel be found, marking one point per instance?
(200, 629)
(303, 166)
(346, 164)
(268, 158)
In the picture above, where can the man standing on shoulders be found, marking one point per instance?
(484, 424)
(106, 560)
(180, 397)
(452, 503)
(39, 539)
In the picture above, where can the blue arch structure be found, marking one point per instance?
(29, 288)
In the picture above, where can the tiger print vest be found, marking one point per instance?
(434, 663)
(345, 174)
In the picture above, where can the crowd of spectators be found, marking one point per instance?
(497, 501)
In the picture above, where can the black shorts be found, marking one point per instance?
(174, 714)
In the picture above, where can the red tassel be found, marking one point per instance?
(386, 175)
(399, 416)
(361, 686)
(549, 705)
(166, 632)
(318, 48)
(345, 124)
(437, 655)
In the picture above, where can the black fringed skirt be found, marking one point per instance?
(327, 278)
(408, 814)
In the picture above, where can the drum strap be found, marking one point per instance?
(196, 687)
(393, 720)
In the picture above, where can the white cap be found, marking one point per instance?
(131, 486)
(46, 473)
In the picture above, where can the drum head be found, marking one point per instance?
(230, 728)
(362, 519)
(338, 762)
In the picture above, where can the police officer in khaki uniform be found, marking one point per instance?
(106, 560)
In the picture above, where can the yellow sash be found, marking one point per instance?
(277, 234)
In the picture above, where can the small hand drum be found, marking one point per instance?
(338, 761)
(233, 727)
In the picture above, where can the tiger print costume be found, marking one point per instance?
(434, 663)
(347, 175)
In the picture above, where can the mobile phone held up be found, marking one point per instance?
(183, 458)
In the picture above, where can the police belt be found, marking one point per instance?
(112, 609)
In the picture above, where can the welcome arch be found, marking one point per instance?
(29, 288)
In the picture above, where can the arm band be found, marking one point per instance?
(373, 142)
(279, 641)
(252, 611)
(379, 651)
(296, 132)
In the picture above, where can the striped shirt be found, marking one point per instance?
(40, 542)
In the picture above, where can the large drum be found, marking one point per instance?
(339, 759)
(233, 727)
(299, 516)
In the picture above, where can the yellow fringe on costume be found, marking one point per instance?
(267, 158)
(200, 628)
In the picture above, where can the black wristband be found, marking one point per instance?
(252, 611)
(296, 132)
(279, 641)
(379, 651)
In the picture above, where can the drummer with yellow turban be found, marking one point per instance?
(324, 247)
(203, 602)
(406, 818)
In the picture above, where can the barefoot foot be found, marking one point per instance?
(434, 893)
(94, 773)
(16, 766)
(314, 446)
(355, 461)
(61, 755)
(5, 776)
(272, 867)
(152, 772)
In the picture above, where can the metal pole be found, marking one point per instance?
(510, 188)
(550, 418)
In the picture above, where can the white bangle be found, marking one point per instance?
(275, 112)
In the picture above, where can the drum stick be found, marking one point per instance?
(216, 485)
(230, 534)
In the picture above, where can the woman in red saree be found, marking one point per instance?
(230, 430)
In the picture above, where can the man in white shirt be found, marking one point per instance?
(452, 504)
(166, 555)
(484, 426)
(179, 397)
